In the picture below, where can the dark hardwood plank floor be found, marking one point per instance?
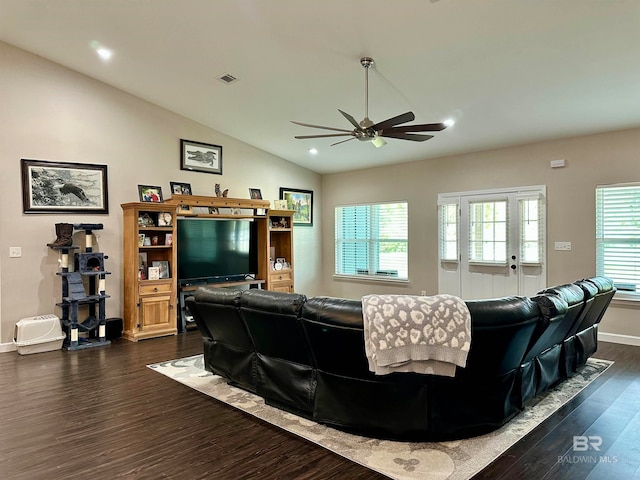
(101, 414)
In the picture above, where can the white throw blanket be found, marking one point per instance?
(405, 333)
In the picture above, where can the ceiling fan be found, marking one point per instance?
(366, 130)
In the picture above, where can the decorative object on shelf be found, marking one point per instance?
(141, 237)
(150, 193)
(280, 204)
(64, 236)
(154, 273)
(168, 239)
(145, 220)
(63, 187)
(184, 209)
(178, 188)
(165, 219)
(214, 210)
(219, 192)
(200, 157)
(255, 193)
(163, 268)
(147, 241)
(236, 211)
(301, 202)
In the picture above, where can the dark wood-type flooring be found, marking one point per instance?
(102, 414)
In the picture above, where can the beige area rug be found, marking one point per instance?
(399, 460)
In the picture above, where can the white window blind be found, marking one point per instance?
(449, 232)
(488, 232)
(372, 240)
(618, 235)
(530, 231)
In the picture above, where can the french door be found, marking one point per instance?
(494, 246)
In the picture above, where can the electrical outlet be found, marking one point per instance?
(565, 246)
(15, 252)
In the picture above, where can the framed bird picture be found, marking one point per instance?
(63, 187)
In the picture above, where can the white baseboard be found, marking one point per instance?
(616, 338)
(7, 347)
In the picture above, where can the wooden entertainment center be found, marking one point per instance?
(152, 306)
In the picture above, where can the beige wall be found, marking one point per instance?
(590, 160)
(48, 112)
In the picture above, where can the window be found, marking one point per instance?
(372, 240)
(618, 235)
(530, 231)
(488, 232)
(449, 232)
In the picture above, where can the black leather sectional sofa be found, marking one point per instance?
(307, 356)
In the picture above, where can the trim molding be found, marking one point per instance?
(617, 338)
(7, 347)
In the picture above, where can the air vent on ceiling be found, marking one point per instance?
(227, 78)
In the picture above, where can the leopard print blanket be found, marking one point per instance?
(405, 333)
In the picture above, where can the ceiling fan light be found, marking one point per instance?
(378, 142)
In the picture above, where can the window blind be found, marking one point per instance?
(372, 240)
(618, 235)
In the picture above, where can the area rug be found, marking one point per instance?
(455, 460)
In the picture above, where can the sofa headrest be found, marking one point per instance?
(272, 302)
(589, 288)
(221, 296)
(603, 284)
(334, 311)
(552, 306)
(571, 293)
(502, 311)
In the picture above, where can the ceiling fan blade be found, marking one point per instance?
(320, 126)
(324, 136)
(342, 141)
(351, 119)
(424, 127)
(406, 136)
(404, 118)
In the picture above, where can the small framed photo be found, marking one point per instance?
(184, 209)
(279, 204)
(150, 193)
(213, 211)
(301, 202)
(168, 239)
(141, 239)
(153, 273)
(200, 157)
(165, 219)
(163, 268)
(178, 188)
(255, 194)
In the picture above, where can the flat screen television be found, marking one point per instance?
(216, 250)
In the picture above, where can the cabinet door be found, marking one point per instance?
(155, 313)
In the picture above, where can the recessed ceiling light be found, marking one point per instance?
(104, 53)
(450, 122)
(313, 151)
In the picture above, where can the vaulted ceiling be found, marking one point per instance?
(508, 72)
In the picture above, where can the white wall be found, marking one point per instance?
(590, 160)
(48, 112)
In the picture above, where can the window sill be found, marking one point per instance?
(626, 300)
(370, 279)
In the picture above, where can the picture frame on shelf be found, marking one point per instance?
(153, 273)
(168, 239)
(255, 194)
(145, 220)
(165, 219)
(301, 202)
(184, 209)
(279, 204)
(179, 188)
(141, 239)
(150, 193)
(200, 157)
(163, 268)
(213, 211)
(64, 187)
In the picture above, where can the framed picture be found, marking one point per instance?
(178, 188)
(163, 268)
(200, 157)
(168, 239)
(150, 193)
(279, 204)
(255, 194)
(153, 273)
(165, 219)
(141, 239)
(301, 202)
(63, 187)
(184, 209)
